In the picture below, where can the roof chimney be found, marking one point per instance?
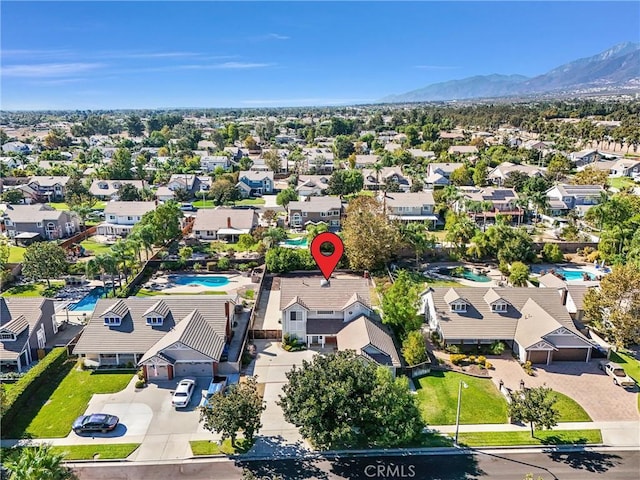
(324, 283)
(228, 222)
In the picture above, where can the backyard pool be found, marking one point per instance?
(210, 281)
(570, 274)
(88, 302)
(300, 242)
(468, 274)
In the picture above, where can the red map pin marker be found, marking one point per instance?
(327, 263)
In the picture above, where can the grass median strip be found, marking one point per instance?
(89, 452)
(208, 447)
(546, 437)
(570, 410)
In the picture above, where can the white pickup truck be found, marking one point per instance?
(617, 372)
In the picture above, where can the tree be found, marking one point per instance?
(414, 349)
(400, 305)
(551, 253)
(56, 138)
(460, 176)
(413, 135)
(519, 274)
(135, 127)
(345, 182)
(480, 173)
(236, 410)
(591, 176)
(272, 160)
(128, 193)
(44, 261)
(282, 259)
(534, 405)
(121, 165)
(460, 230)
(340, 401)
(369, 237)
(343, 147)
(614, 308)
(165, 221)
(269, 216)
(286, 196)
(223, 191)
(13, 196)
(516, 180)
(250, 143)
(559, 166)
(39, 463)
(5, 251)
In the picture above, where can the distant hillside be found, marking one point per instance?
(616, 67)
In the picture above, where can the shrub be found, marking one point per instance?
(593, 256)
(457, 358)
(528, 368)
(243, 267)
(453, 349)
(472, 359)
(586, 251)
(292, 344)
(497, 347)
(481, 359)
(488, 365)
(224, 263)
(140, 383)
(25, 388)
(140, 374)
(551, 253)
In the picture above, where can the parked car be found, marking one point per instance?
(96, 422)
(218, 384)
(188, 207)
(617, 372)
(182, 395)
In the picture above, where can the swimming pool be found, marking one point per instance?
(300, 242)
(570, 274)
(210, 281)
(467, 275)
(88, 302)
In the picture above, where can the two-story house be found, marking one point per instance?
(563, 198)
(625, 167)
(28, 222)
(251, 182)
(488, 202)
(315, 210)
(49, 188)
(335, 313)
(501, 173)
(462, 150)
(208, 163)
(317, 160)
(120, 217)
(108, 189)
(381, 180)
(224, 223)
(366, 161)
(438, 173)
(411, 207)
(312, 185)
(584, 157)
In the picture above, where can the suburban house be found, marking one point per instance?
(120, 217)
(335, 313)
(563, 198)
(571, 294)
(252, 182)
(490, 202)
(49, 188)
(499, 174)
(535, 145)
(208, 163)
(312, 185)
(315, 210)
(16, 147)
(318, 160)
(584, 157)
(453, 135)
(625, 167)
(534, 324)
(365, 161)
(28, 222)
(411, 207)
(438, 173)
(25, 325)
(462, 150)
(108, 189)
(378, 180)
(167, 336)
(224, 223)
(418, 153)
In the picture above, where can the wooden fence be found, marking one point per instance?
(89, 232)
(266, 334)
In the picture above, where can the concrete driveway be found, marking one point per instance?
(583, 382)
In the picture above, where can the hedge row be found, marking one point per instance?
(24, 388)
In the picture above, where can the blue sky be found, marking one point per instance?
(91, 55)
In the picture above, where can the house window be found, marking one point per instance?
(7, 222)
(499, 307)
(304, 214)
(325, 312)
(293, 316)
(458, 307)
(39, 224)
(112, 217)
(154, 320)
(112, 320)
(129, 218)
(323, 214)
(7, 336)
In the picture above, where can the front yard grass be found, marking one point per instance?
(481, 401)
(16, 254)
(544, 437)
(630, 365)
(620, 182)
(95, 247)
(62, 398)
(32, 289)
(207, 447)
(570, 410)
(101, 451)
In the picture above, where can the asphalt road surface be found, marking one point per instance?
(612, 465)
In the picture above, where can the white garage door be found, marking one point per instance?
(195, 369)
(158, 373)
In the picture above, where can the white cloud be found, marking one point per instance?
(56, 82)
(45, 70)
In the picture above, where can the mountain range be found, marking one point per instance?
(615, 68)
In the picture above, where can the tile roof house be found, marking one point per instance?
(167, 336)
(335, 313)
(120, 217)
(312, 185)
(208, 163)
(533, 322)
(563, 198)
(49, 188)
(365, 161)
(25, 325)
(584, 157)
(315, 210)
(462, 150)
(108, 189)
(411, 206)
(438, 173)
(224, 223)
(625, 167)
(499, 174)
(251, 182)
(27, 222)
(377, 181)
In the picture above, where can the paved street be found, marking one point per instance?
(491, 465)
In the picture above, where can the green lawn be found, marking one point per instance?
(206, 447)
(630, 365)
(570, 410)
(99, 205)
(60, 400)
(101, 451)
(481, 401)
(95, 247)
(16, 254)
(545, 437)
(31, 290)
(620, 182)
(431, 282)
(203, 204)
(251, 201)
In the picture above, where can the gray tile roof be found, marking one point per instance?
(334, 296)
(579, 190)
(14, 312)
(549, 280)
(363, 333)
(134, 335)
(49, 181)
(129, 208)
(217, 218)
(410, 199)
(38, 212)
(112, 186)
(255, 176)
(317, 204)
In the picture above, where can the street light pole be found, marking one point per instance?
(455, 442)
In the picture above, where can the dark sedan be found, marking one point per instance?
(96, 422)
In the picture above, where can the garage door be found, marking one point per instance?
(195, 369)
(570, 355)
(538, 356)
(160, 372)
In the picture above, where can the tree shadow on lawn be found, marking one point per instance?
(596, 462)
(18, 425)
(558, 440)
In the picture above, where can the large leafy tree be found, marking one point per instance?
(519, 274)
(39, 463)
(614, 308)
(237, 410)
(400, 304)
(223, 191)
(343, 147)
(129, 193)
(345, 182)
(135, 126)
(369, 237)
(414, 348)
(534, 406)
(44, 261)
(286, 196)
(121, 165)
(340, 401)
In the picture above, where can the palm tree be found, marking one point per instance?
(147, 237)
(39, 463)
(108, 265)
(415, 234)
(134, 242)
(461, 231)
(121, 252)
(377, 167)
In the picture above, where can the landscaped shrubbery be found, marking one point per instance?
(24, 388)
(292, 344)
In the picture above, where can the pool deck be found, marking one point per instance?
(165, 285)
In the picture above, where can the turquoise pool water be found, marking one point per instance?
(296, 242)
(467, 275)
(88, 302)
(568, 273)
(200, 280)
